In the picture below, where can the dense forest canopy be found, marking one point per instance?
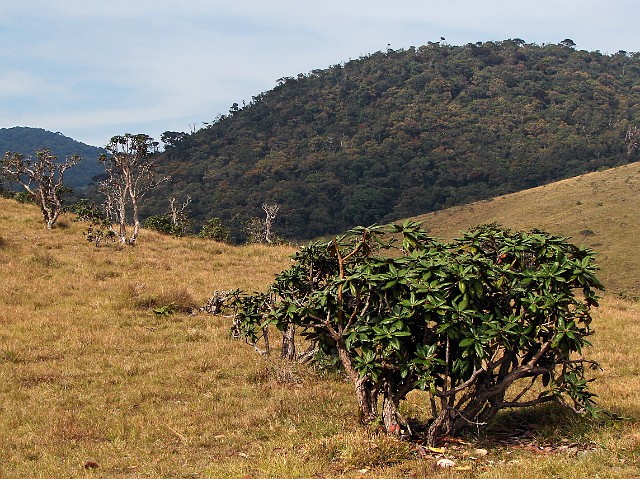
(26, 141)
(404, 132)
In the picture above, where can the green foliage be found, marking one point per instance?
(475, 323)
(165, 224)
(99, 224)
(399, 133)
(24, 197)
(166, 310)
(213, 229)
(161, 224)
(87, 211)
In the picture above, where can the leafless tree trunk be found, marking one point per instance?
(288, 342)
(271, 211)
(115, 204)
(633, 140)
(176, 212)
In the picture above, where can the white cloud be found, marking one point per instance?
(100, 68)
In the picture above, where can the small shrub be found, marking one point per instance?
(87, 211)
(477, 323)
(165, 224)
(166, 310)
(99, 228)
(213, 229)
(178, 301)
(24, 197)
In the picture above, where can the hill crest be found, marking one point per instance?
(399, 133)
(26, 140)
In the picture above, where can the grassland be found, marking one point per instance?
(599, 209)
(94, 384)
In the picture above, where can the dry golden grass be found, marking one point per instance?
(90, 376)
(600, 210)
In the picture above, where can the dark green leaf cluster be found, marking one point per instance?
(165, 224)
(213, 229)
(474, 322)
(88, 211)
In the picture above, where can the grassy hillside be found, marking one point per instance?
(94, 384)
(601, 210)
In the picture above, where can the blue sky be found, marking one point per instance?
(91, 69)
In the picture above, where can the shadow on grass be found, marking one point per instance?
(548, 424)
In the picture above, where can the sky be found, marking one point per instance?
(92, 69)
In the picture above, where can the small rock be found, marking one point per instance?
(445, 463)
(480, 452)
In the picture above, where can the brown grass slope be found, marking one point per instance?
(600, 210)
(93, 384)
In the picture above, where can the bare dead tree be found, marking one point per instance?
(271, 211)
(131, 176)
(178, 214)
(41, 178)
(633, 140)
(115, 204)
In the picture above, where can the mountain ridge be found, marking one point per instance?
(27, 140)
(403, 132)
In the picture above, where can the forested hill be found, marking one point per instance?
(399, 133)
(26, 140)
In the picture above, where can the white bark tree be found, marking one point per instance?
(271, 211)
(41, 178)
(178, 214)
(633, 140)
(131, 176)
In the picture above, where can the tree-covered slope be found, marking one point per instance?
(400, 133)
(26, 140)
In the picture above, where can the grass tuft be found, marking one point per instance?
(180, 300)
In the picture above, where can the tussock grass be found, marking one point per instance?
(89, 375)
